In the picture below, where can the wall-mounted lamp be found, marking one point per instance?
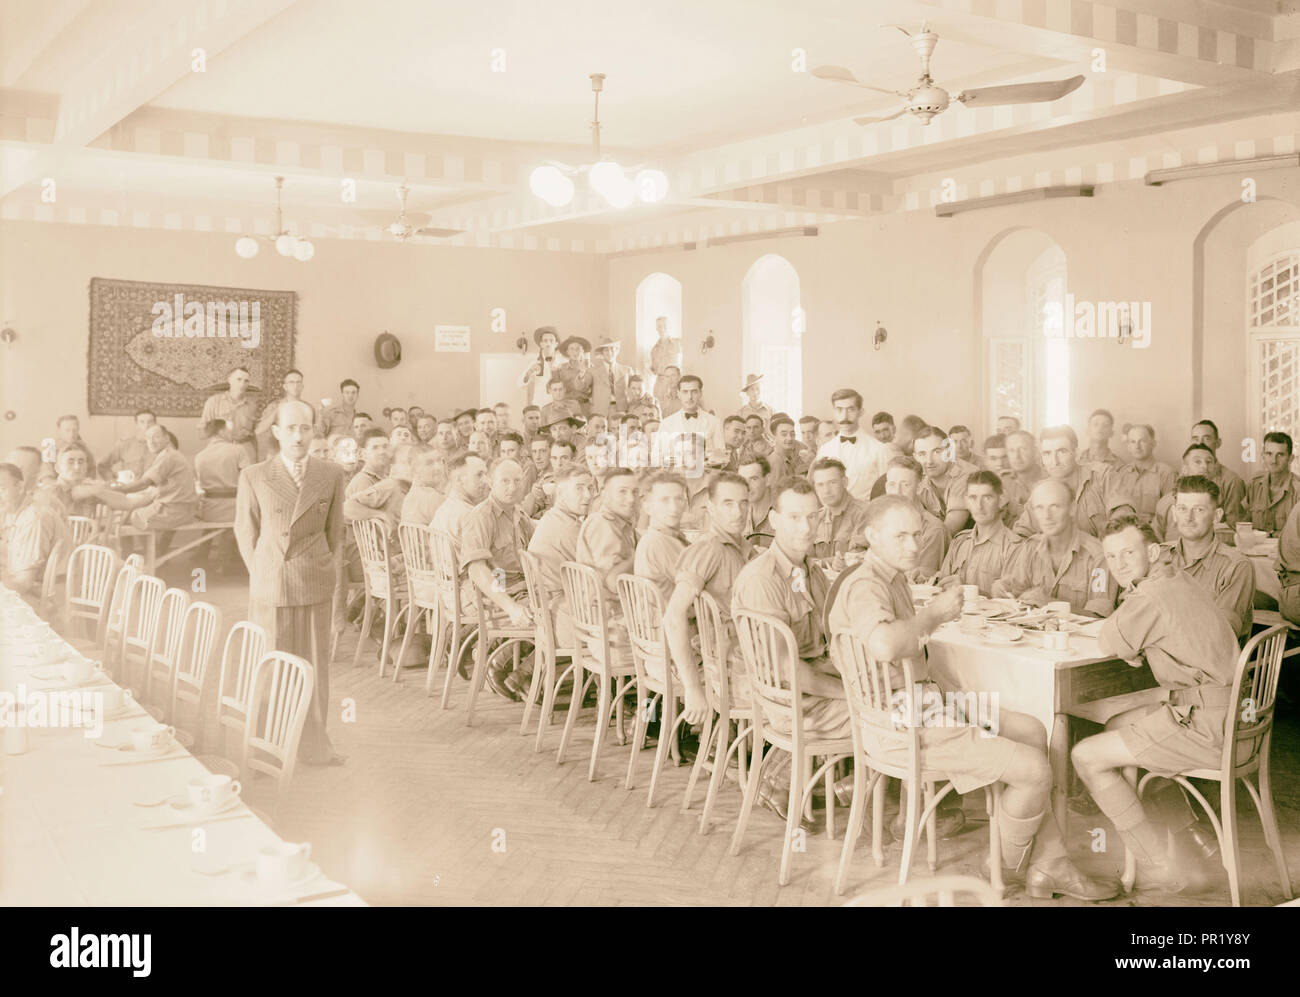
(880, 335)
(708, 343)
(7, 336)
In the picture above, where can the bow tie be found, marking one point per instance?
(690, 415)
(848, 439)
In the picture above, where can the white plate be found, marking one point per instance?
(249, 878)
(127, 748)
(1002, 635)
(182, 807)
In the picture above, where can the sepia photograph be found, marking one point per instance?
(710, 454)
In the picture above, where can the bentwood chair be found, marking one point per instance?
(277, 712)
(1247, 738)
(382, 590)
(110, 629)
(139, 618)
(456, 626)
(164, 646)
(716, 743)
(655, 679)
(422, 600)
(546, 654)
(768, 649)
(496, 635)
(596, 659)
(89, 591)
(50, 579)
(199, 632)
(919, 892)
(83, 529)
(877, 747)
(244, 648)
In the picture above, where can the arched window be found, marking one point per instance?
(1047, 325)
(1273, 331)
(657, 296)
(773, 323)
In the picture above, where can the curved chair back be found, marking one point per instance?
(879, 703)
(446, 570)
(83, 529)
(50, 578)
(372, 545)
(417, 552)
(1254, 693)
(198, 636)
(715, 652)
(282, 688)
(115, 621)
(643, 614)
(245, 647)
(539, 601)
(165, 642)
(768, 649)
(89, 592)
(140, 617)
(586, 598)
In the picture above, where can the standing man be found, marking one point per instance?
(337, 418)
(609, 379)
(576, 374)
(536, 378)
(131, 453)
(863, 456)
(217, 467)
(753, 405)
(1225, 573)
(1144, 479)
(289, 525)
(293, 386)
(236, 407)
(666, 390)
(665, 353)
(1232, 490)
(1274, 492)
(691, 418)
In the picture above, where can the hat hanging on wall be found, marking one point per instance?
(388, 350)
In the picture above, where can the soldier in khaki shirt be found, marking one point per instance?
(1144, 480)
(839, 523)
(1289, 568)
(1272, 494)
(336, 417)
(1101, 427)
(1061, 563)
(1222, 571)
(902, 478)
(1096, 496)
(1232, 490)
(663, 542)
(556, 540)
(982, 554)
(1169, 622)
(237, 409)
(875, 604)
(786, 458)
(942, 492)
(1198, 460)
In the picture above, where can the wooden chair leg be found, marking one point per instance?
(1264, 804)
(580, 685)
(722, 748)
(747, 805)
(603, 706)
(439, 633)
(553, 684)
(857, 816)
(413, 618)
(701, 760)
(911, 827)
(1230, 845)
(667, 738)
(931, 829)
(454, 651)
(794, 814)
(365, 629)
(390, 628)
(878, 823)
(541, 672)
(640, 721)
(479, 675)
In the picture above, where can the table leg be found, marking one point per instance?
(1058, 753)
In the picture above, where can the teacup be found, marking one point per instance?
(970, 594)
(212, 791)
(81, 670)
(283, 862)
(1056, 640)
(125, 477)
(151, 738)
(114, 698)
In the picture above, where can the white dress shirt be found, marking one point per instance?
(537, 391)
(702, 424)
(864, 460)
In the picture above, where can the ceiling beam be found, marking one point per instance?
(19, 53)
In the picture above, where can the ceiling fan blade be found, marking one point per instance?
(439, 233)
(1019, 93)
(889, 117)
(838, 74)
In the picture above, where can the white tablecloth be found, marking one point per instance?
(70, 834)
(1265, 566)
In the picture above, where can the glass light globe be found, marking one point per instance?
(551, 185)
(246, 247)
(284, 244)
(604, 177)
(651, 185)
(304, 251)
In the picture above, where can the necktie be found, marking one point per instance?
(690, 415)
(848, 439)
(299, 471)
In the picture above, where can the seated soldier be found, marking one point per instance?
(757, 473)
(1143, 478)
(171, 500)
(1198, 461)
(1101, 427)
(559, 407)
(839, 522)
(375, 493)
(982, 554)
(1232, 490)
(1096, 497)
(787, 457)
(555, 540)
(875, 604)
(467, 484)
(662, 542)
(607, 542)
(29, 529)
(1169, 622)
(1022, 473)
(539, 456)
(541, 496)
(735, 442)
(1222, 571)
(428, 484)
(1273, 493)
(532, 424)
(711, 565)
(963, 449)
(217, 468)
(73, 490)
(902, 478)
(756, 438)
(942, 491)
(491, 536)
(1062, 563)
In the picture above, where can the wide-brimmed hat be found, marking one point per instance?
(605, 343)
(471, 412)
(584, 343)
(751, 381)
(577, 422)
(542, 331)
(388, 350)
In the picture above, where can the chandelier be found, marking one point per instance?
(620, 187)
(246, 246)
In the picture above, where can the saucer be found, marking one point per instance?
(1002, 635)
(182, 807)
(127, 748)
(249, 878)
(125, 712)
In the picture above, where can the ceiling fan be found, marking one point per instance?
(925, 99)
(401, 230)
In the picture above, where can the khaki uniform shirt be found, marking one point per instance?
(1082, 580)
(795, 594)
(1144, 486)
(949, 492)
(173, 475)
(981, 561)
(554, 541)
(874, 594)
(1227, 575)
(1096, 494)
(1266, 512)
(843, 528)
(495, 533)
(607, 543)
(240, 415)
(421, 504)
(712, 564)
(656, 557)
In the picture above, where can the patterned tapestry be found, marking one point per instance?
(167, 347)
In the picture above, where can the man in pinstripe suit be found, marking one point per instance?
(289, 524)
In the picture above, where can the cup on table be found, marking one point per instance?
(1245, 536)
(81, 670)
(151, 737)
(1056, 640)
(1059, 608)
(213, 790)
(969, 594)
(113, 698)
(970, 623)
(282, 862)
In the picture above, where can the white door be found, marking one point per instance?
(498, 379)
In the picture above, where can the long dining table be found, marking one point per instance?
(82, 824)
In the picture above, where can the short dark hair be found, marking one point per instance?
(1198, 446)
(692, 377)
(930, 432)
(64, 418)
(985, 478)
(372, 434)
(908, 464)
(573, 470)
(1279, 437)
(1060, 432)
(780, 419)
(239, 367)
(292, 370)
(827, 464)
(996, 442)
(666, 478)
(348, 381)
(758, 459)
(176, 444)
(914, 423)
(555, 379)
(808, 418)
(846, 395)
(567, 444)
(213, 426)
(793, 484)
(531, 408)
(1207, 422)
(616, 472)
(146, 411)
(726, 478)
(1118, 524)
(1102, 411)
(75, 448)
(361, 415)
(1197, 484)
(392, 410)
(882, 417)
(954, 430)
(880, 506)
(635, 377)
(460, 460)
(733, 418)
(752, 415)
(511, 438)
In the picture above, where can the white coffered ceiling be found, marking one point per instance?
(102, 97)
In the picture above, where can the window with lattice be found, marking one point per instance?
(1273, 327)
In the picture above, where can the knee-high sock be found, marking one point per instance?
(1120, 803)
(1017, 837)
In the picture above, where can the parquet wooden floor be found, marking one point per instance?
(428, 811)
